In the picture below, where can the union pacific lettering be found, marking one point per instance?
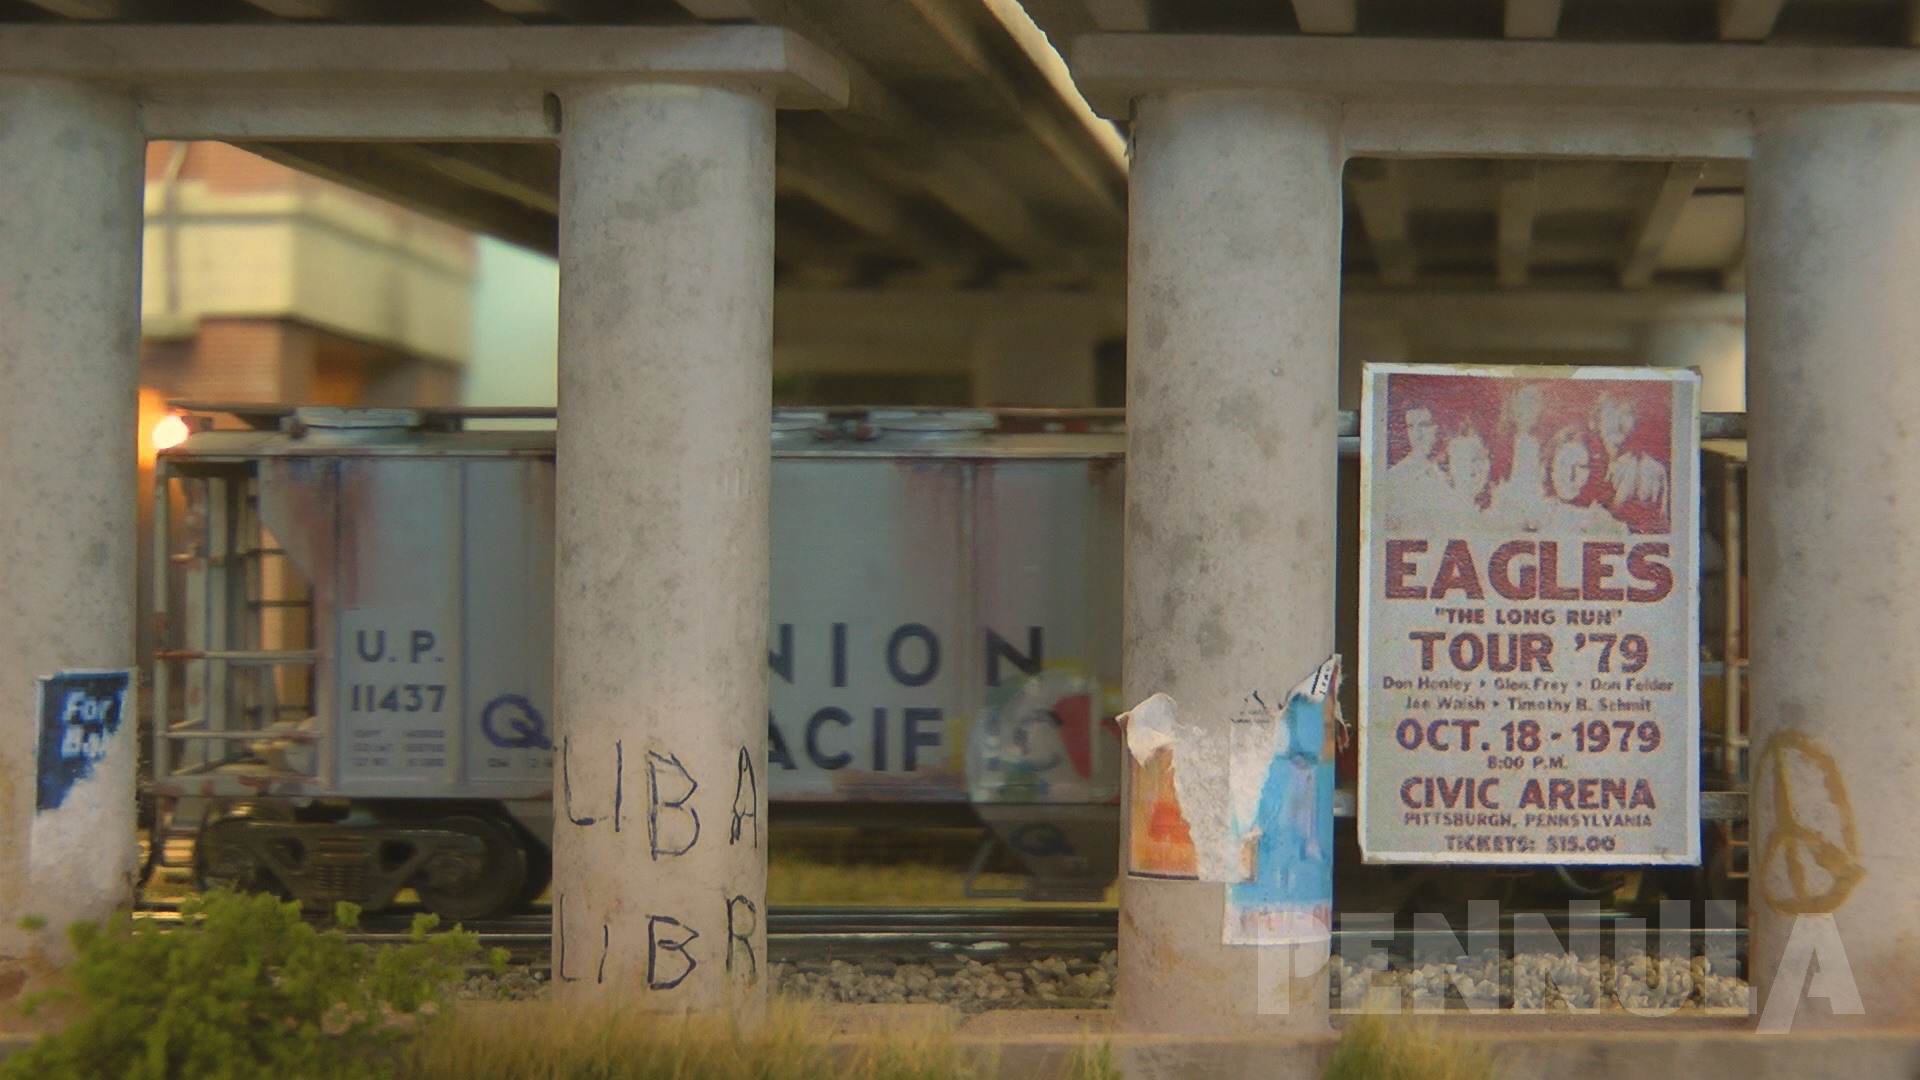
(865, 735)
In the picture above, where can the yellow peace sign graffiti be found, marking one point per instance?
(1791, 841)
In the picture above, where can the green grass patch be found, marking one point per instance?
(800, 878)
(1386, 1046)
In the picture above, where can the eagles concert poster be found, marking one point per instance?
(1529, 615)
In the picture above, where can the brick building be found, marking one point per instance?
(264, 284)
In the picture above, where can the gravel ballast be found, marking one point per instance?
(1528, 982)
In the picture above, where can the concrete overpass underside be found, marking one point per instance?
(967, 166)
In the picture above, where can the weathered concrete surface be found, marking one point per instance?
(1547, 1047)
(70, 219)
(1233, 328)
(1363, 342)
(666, 315)
(362, 58)
(1834, 370)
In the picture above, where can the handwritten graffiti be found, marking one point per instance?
(743, 920)
(657, 979)
(746, 791)
(80, 712)
(673, 829)
(657, 801)
(1042, 738)
(672, 955)
(566, 784)
(1805, 831)
(673, 825)
(511, 722)
(561, 969)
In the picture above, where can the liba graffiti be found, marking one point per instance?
(670, 957)
(674, 828)
(80, 713)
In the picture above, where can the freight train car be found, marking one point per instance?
(354, 691)
(353, 695)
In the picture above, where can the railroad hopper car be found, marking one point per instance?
(353, 693)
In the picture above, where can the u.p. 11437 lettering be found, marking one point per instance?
(399, 687)
(396, 697)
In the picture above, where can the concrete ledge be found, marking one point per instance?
(1043, 1042)
(255, 58)
(1546, 1047)
(1113, 68)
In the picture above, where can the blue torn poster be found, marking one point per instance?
(1281, 814)
(80, 714)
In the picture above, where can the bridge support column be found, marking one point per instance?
(70, 219)
(1367, 341)
(1834, 250)
(666, 302)
(1233, 329)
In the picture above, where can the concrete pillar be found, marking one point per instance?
(1038, 354)
(666, 317)
(1233, 327)
(70, 218)
(1718, 347)
(1834, 252)
(1363, 342)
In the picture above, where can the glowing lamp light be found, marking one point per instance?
(171, 431)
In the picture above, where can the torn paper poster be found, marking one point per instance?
(1177, 813)
(1160, 834)
(1150, 726)
(1160, 840)
(1282, 815)
(81, 715)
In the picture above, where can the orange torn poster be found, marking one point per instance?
(1161, 843)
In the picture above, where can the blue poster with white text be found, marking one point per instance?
(80, 713)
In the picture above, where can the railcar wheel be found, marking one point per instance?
(464, 885)
(222, 858)
(539, 873)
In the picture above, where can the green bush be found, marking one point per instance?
(242, 988)
(1376, 1046)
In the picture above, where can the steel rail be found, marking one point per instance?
(868, 934)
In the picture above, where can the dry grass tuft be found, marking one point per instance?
(548, 1041)
(1384, 1046)
(798, 879)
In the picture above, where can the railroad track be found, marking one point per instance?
(803, 934)
(526, 938)
(935, 934)
(799, 934)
